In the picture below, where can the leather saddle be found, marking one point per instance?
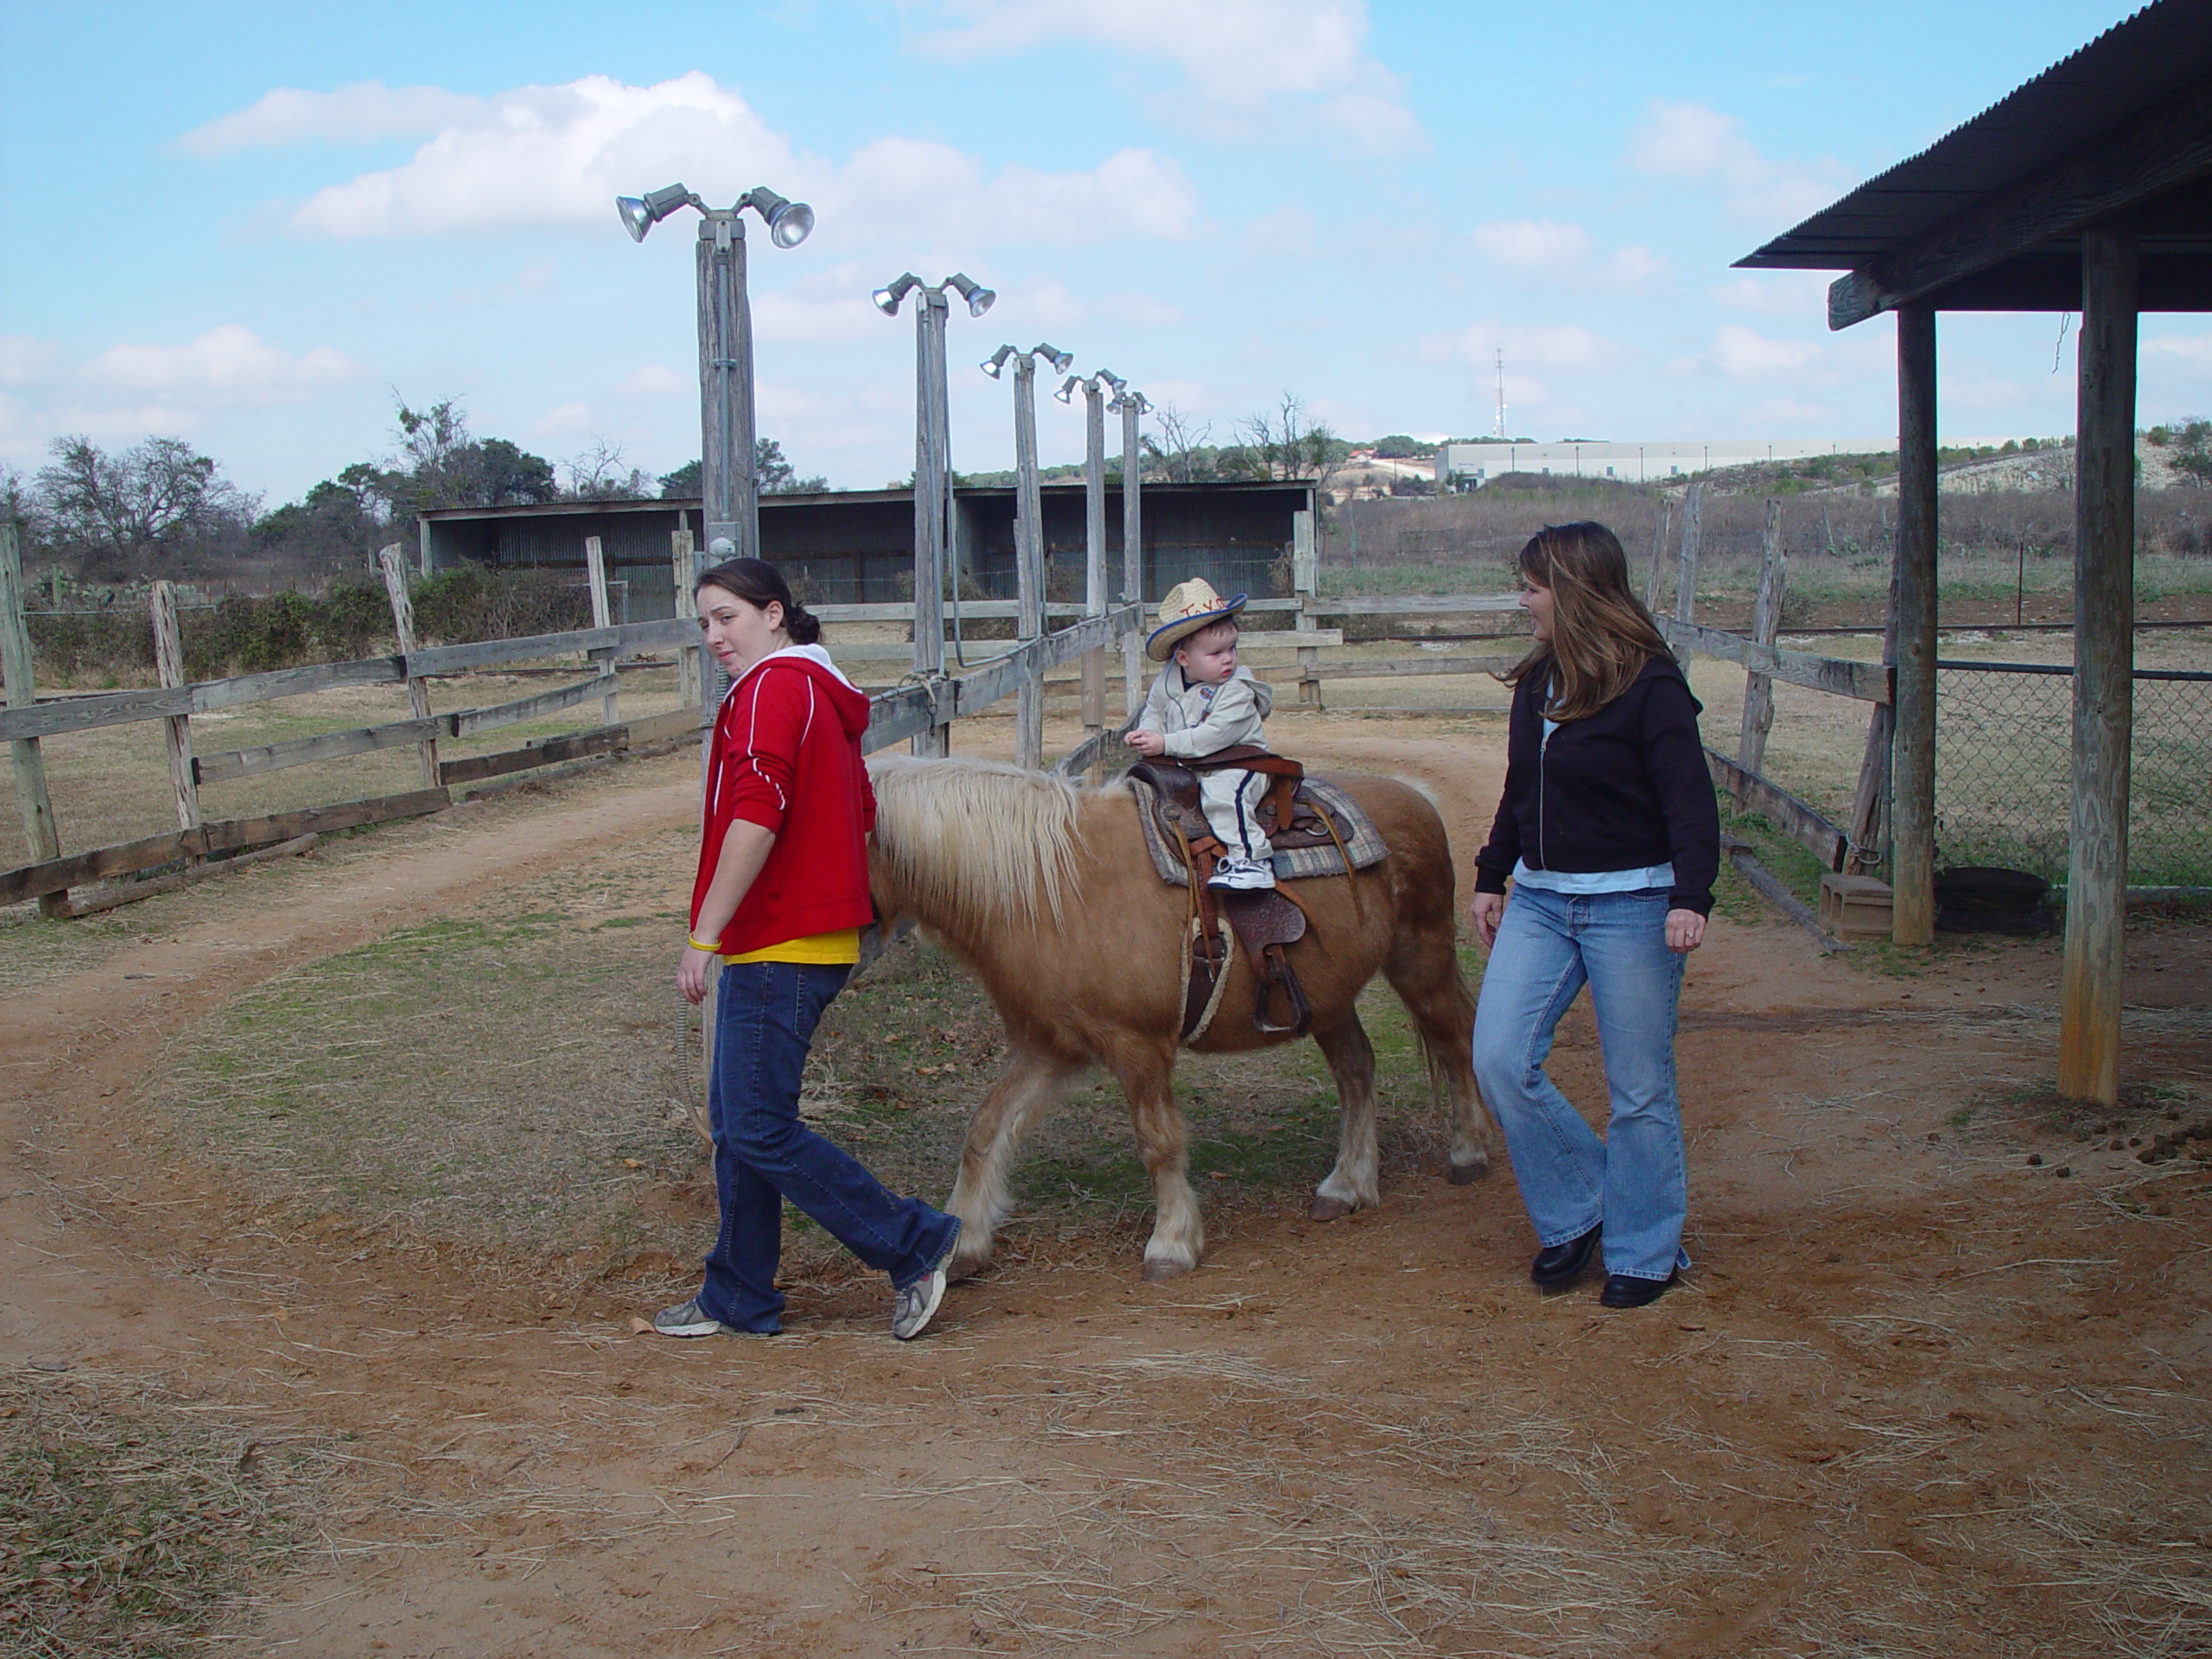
(1266, 922)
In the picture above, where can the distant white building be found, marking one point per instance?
(1470, 466)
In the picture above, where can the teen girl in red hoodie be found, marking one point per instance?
(777, 910)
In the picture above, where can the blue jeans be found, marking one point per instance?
(765, 1016)
(1635, 1181)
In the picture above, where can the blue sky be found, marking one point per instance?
(263, 220)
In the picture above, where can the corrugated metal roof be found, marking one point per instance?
(2129, 68)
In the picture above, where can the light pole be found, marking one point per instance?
(732, 507)
(1028, 533)
(933, 519)
(1094, 390)
(1131, 405)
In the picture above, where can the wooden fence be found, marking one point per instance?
(923, 710)
(920, 710)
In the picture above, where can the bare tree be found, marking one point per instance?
(597, 474)
(1285, 443)
(138, 501)
(1179, 447)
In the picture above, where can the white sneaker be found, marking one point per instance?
(1242, 876)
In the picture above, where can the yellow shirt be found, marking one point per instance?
(842, 948)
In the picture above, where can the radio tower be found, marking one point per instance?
(1501, 392)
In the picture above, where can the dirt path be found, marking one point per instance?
(1920, 1397)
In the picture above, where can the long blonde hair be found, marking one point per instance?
(1601, 634)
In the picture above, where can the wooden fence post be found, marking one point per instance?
(403, 623)
(602, 616)
(1306, 583)
(1686, 566)
(1658, 553)
(41, 837)
(1766, 625)
(1870, 803)
(177, 729)
(680, 573)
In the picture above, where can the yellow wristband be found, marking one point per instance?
(711, 950)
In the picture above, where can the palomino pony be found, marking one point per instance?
(1047, 891)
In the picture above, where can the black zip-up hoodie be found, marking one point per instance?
(1623, 788)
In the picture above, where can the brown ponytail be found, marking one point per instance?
(760, 584)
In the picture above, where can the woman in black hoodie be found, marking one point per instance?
(1609, 834)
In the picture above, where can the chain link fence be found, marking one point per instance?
(2004, 764)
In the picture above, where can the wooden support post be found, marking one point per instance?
(1686, 562)
(1132, 405)
(177, 729)
(42, 836)
(602, 616)
(1029, 560)
(1304, 585)
(1094, 551)
(1658, 553)
(403, 623)
(680, 573)
(1912, 767)
(1766, 625)
(2104, 647)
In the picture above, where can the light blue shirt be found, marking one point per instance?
(1580, 881)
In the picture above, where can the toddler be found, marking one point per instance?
(1201, 703)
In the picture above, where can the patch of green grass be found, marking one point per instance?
(128, 1527)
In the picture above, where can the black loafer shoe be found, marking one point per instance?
(1621, 1290)
(1559, 1265)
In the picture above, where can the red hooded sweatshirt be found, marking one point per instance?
(787, 756)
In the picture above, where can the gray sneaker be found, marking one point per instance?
(914, 1307)
(689, 1320)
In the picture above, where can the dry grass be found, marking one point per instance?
(137, 1521)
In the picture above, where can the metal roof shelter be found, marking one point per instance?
(858, 545)
(2088, 189)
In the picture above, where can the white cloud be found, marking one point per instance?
(537, 156)
(1689, 141)
(226, 365)
(2193, 351)
(1634, 267)
(821, 306)
(1564, 249)
(654, 380)
(1141, 310)
(1742, 353)
(907, 187)
(1563, 347)
(26, 360)
(361, 113)
(1239, 56)
(1533, 244)
(1800, 293)
(565, 421)
(1789, 411)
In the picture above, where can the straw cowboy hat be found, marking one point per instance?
(1189, 607)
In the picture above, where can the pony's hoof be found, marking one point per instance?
(1467, 1174)
(1324, 1208)
(965, 1267)
(1159, 1273)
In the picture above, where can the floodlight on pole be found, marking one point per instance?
(933, 521)
(729, 492)
(1028, 530)
(1130, 405)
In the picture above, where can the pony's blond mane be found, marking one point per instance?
(974, 844)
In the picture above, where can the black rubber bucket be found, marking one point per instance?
(1987, 898)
